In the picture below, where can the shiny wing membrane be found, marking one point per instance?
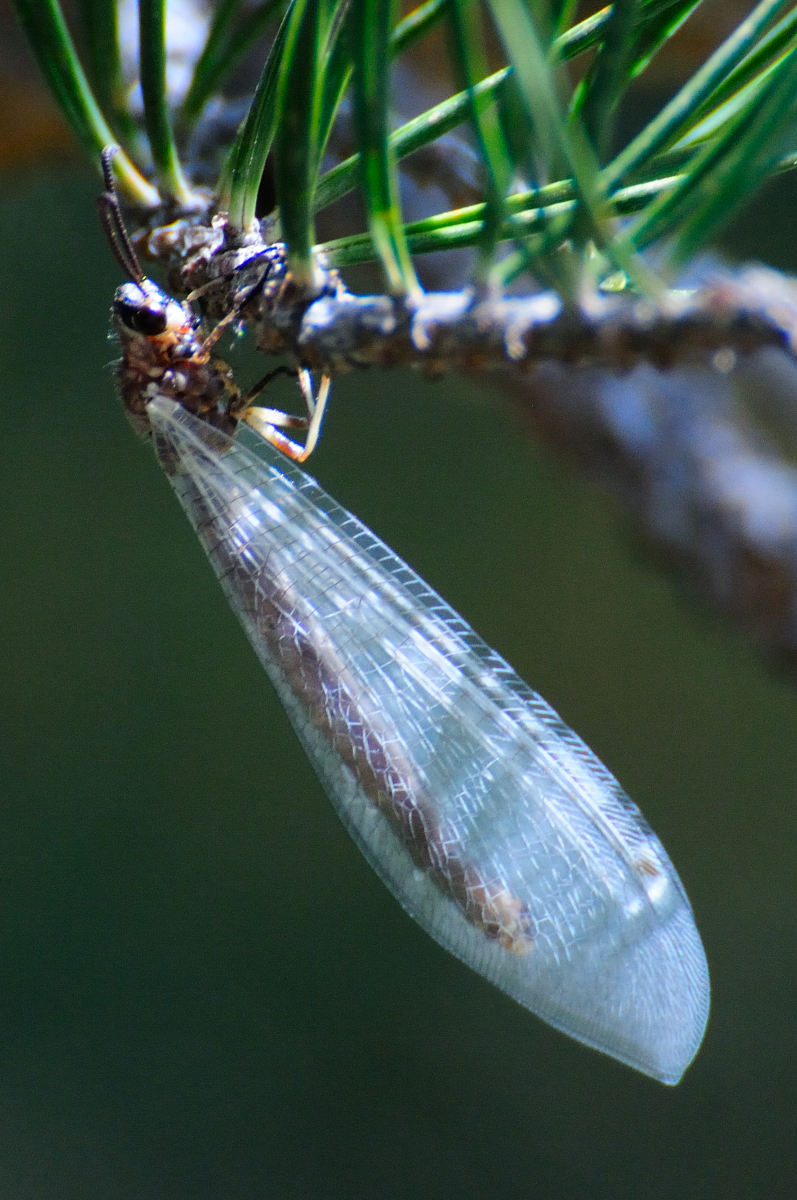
(488, 818)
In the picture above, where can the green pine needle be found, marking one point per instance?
(726, 130)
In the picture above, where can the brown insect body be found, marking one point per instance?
(164, 353)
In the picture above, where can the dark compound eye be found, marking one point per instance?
(141, 318)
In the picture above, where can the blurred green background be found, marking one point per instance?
(205, 993)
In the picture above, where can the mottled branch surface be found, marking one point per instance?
(332, 330)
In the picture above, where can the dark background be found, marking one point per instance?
(205, 993)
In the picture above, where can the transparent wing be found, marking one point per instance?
(490, 820)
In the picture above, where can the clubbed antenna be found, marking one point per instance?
(113, 223)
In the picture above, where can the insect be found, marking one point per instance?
(491, 822)
(166, 353)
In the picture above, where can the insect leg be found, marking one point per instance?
(234, 314)
(268, 421)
